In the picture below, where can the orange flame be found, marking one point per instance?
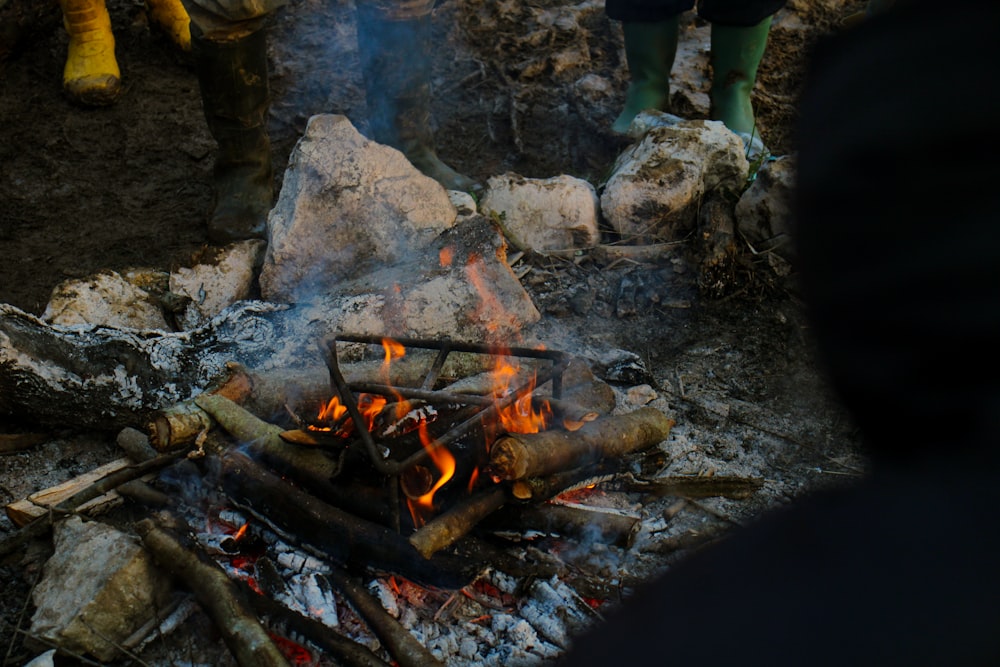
(369, 405)
(490, 309)
(519, 416)
(394, 350)
(333, 410)
(241, 532)
(423, 506)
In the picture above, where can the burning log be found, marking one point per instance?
(517, 456)
(345, 538)
(540, 489)
(309, 466)
(248, 641)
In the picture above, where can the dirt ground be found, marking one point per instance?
(83, 190)
(128, 185)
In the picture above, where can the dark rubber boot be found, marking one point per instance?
(736, 54)
(232, 75)
(650, 49)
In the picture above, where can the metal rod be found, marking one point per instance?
(490, 406)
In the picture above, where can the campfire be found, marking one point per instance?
(413, 475)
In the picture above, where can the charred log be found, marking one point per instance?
(356, 543)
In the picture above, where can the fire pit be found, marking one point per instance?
(402, 473)
(433, 486)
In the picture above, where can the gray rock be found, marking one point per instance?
(657, 184)
(764, 211)
(98, 588)
(107, 298)
(347, 206)
(543, 214)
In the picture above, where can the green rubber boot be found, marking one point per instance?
(649, 51)
(232, 74)
(736, 54)
(395, 62)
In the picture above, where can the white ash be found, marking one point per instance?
(174, 620)
(313, 596)
(232, 518)
(298, 561)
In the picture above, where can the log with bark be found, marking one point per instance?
(518, 456)
(227, 606)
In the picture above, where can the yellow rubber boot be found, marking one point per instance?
(171, 16)
(91, 75)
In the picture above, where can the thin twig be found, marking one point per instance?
(20, 617)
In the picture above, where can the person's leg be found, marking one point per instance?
(233, 78)
(650, 33)
(739, 37)
(91, 75)
(394, 43)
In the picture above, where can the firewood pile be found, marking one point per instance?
(415, 516)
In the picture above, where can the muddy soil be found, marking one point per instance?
(83, 190)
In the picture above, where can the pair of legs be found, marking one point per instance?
(228, 43)
(739, 36)
(231, 64)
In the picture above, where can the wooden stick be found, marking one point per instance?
(696, 486)
(402, 645)
(572, 521)
(448, 528)
(516, 456)
(343, 537)
(247, 640)
(41, 502)
(348, 652)
(109, 482)
(180, 424)
(18, 442)
(308, 466)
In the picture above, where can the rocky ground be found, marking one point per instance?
(523, 87)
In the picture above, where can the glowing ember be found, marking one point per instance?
(295, 653)
(445, 256)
